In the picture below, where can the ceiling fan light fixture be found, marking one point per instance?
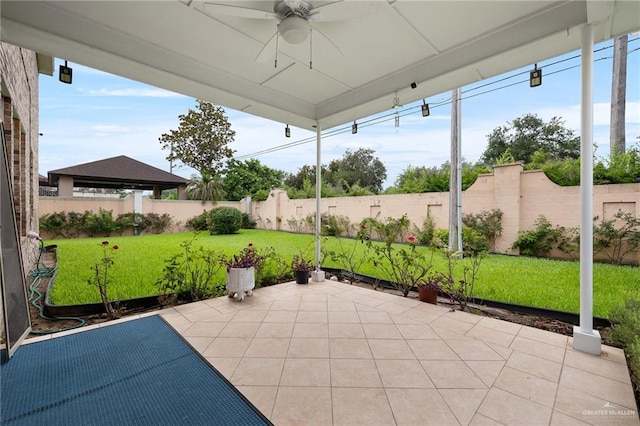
(294, 29)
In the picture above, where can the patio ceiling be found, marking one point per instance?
(198, 49)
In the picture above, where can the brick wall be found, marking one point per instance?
(19, 99)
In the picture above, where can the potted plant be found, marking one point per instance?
(301, 268)
(241, 271)
(428, 289)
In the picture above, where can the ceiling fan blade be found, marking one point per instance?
(324, 46)
(268, 51)
(342, 10)
(237, 11)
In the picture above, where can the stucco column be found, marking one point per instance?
(65, 186)
(507, 193)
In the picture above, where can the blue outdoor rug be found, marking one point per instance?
(139, 372)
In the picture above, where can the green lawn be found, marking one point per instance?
(139, 262)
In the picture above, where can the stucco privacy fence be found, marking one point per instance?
(521, 195)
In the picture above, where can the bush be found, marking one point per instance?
(225, 220)
(261, 195)
(538, 241)
(101, 223)
(618, 236)
(427, 233)
(200, 222)
(191, 275)
(156, 223)
(334, 225)
(486, 223)
(133, 221)
(248, 222)
(625, 322)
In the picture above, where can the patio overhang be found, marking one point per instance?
(189, 47)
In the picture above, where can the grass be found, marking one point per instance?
(527, 281)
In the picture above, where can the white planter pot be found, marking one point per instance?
(241, 281)
(317, 276)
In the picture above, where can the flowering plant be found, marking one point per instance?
(101, 276)
(299, 263)
(247, 258)
(403, 265)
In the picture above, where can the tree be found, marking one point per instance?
(248, 177)
(359, 167)
(434, 179)
(201, 139)
(205, 188)
(526, 135)
(305, 172)
(618, 95)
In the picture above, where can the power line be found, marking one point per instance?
(409, 110)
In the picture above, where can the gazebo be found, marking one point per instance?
(119, 172)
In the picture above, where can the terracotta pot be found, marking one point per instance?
(428, 295)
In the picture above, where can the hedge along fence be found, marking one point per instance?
(102, 223)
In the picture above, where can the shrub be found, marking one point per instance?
(261, 195)
(473, 244)
(54, 223)
(625, 322)
(486, 223)
(334, 225)
(101, 223)
(200, 222)
(225, 220)
(248, 222)
(538, 241)
(189, 275)
(134, 221)
(618, 236)
(156, 223)
(427, 233)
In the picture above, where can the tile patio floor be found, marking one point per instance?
(333, 354)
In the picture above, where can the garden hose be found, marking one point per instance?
(35, 297)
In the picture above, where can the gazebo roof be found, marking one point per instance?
(119, 172)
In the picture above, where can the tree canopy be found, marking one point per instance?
(205, 188)
(526, 135)
(241, 178)
(360, 167)
(434, 179)
(360, 171)
(201, 139)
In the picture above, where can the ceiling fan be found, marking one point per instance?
(294, 20)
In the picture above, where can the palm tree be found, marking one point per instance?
(205, 188)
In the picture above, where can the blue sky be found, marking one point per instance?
(101, 116)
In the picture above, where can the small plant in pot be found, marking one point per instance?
(241, 271)
(301, 268)
(429, 288)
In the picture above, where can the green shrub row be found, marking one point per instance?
(102, 223)
(613, 238)
(221, 220)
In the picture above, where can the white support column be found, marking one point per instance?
(318, 275)
(137, 201)
(585, 338)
